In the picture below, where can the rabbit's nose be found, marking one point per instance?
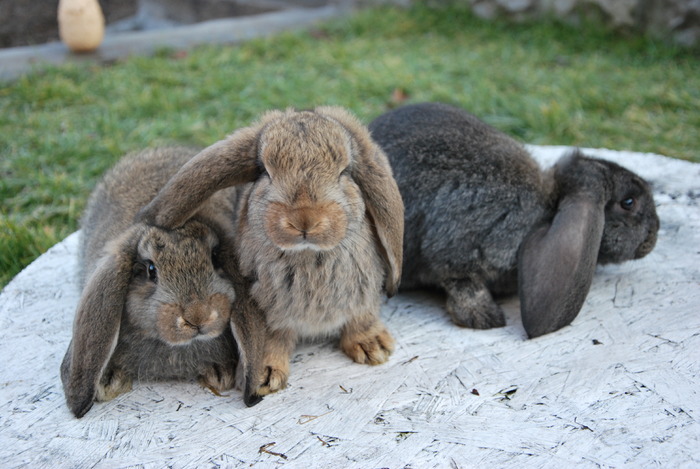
(182, 322)
(305, 221)
(647, 246)
(200, 319)
(208, 317)
(313, 226)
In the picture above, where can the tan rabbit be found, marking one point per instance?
(320, 228)
(156, 304)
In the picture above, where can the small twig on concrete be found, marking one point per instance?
(308, 418)
(410, 360)
(583, 427)
(263, 449)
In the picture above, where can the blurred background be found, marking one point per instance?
(618, 74)
(35, 22)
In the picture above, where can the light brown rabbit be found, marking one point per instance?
(156, 304)
(320, 228)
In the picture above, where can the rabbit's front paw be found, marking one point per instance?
(217, 378)
(113, 384)
(487, 317)
(470, 304)
(371, 346)
(275, 375)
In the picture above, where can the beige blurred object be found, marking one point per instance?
(81, 24)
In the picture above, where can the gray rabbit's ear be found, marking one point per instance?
(250, 331)
(248, 325)
(371, 171)
(556, 265)
(226, 163)
(96, 325)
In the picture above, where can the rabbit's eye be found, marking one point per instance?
(151, 271)
(628, 203)
(262, 170)
(215, 259)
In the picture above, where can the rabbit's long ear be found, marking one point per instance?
(385, 207)
(372, 173)
(226, 163)
(250, 330)
(97, 321)
(248, 325)
(556, 265)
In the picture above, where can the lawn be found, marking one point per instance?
(545, 83)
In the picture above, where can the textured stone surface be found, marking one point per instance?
(617, 388)
(676, 20)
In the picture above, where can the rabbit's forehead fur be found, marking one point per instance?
(628, 184)
(303, 145)
(182, 257)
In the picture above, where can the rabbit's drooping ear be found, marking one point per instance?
(249, 328)
(556, 264)
(247, 324)
(385, 206)
(226, 163)
(372, 173)
(97, 321)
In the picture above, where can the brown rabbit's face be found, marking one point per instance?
(178, 293)
(631, 222)
(308, 196)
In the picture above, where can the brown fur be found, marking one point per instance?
(201, 319)
(366, 341)
(319, 225)
(320, 228)
(280, 345)
(172, 323)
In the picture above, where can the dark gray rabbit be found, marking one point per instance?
(156, 304)
(482, 219)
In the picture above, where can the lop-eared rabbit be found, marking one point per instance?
(157, 304)
(320, 228)
(483, 219)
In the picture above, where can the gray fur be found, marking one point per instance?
(130, 327)
(473, 196)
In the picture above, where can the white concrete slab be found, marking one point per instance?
(619, 387)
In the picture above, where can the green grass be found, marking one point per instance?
(544, 83)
